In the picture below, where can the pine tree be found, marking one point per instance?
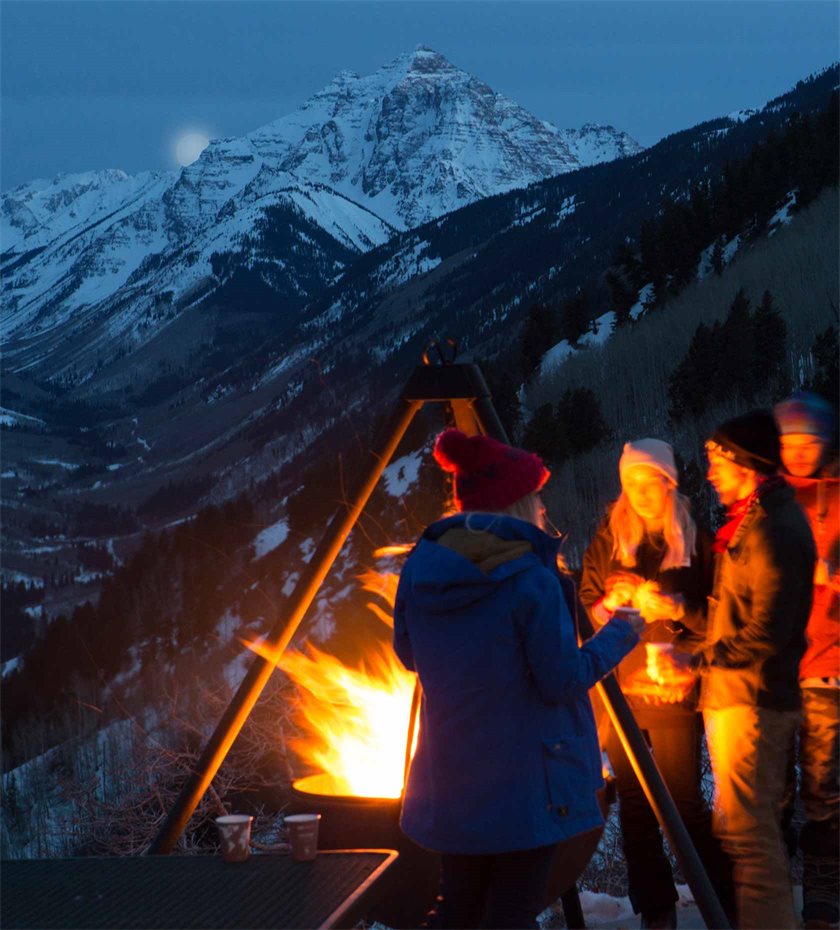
(825, 352)
(573, 426)
(540, 332)
(575, 317)
(651, 260)
(735, 352)
(718, 260)
(583, 422)
(677, 249)
(701, 212)
(12, 808)
(545, 434)
(504, 389)
(769, 349)
(690, 382)
(623, 296)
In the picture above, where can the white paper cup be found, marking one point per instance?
(627, 613)
(303, 835)
(235, 836)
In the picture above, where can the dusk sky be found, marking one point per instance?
(109, 84)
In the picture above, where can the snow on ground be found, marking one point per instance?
(602, 330)
(782, 216)
(51, 821)
(638, 308)
(235, 670)
(271, 537)
(401, 474)
(70, 466)
(604, 912)
(10, 666)
(409, 262)
(132, 669)
(558, 354)
(33, 581)
(527, 218)
(11, 417)
(115, 259)
(87, 577)
(567, 208)
(704, 263)
(291, 581)
(343, 219)
(555, 357)
(730, 249)
(307, 548)
(739, 116)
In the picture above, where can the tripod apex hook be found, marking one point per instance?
(440, 352)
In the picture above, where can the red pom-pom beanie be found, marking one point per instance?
(488, 475)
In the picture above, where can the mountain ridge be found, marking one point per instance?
(414, 140)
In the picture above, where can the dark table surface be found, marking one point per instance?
(169, 892)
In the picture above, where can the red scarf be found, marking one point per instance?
(739, 510)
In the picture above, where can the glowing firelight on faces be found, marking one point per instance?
(355, 720)
(189, 146)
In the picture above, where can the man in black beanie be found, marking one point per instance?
(758, 612)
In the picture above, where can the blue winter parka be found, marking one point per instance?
(507, 756)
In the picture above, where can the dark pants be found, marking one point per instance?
(495, 891)
(819, 764)
(676, 748)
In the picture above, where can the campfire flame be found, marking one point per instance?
(355, 720)
(358, 720)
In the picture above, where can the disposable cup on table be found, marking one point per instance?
(235, 836)
(303, 835)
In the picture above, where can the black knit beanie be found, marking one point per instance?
(752, 440)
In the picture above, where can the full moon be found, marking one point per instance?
(189, 146)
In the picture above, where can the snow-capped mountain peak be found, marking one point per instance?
(420, 137)
(365, 156)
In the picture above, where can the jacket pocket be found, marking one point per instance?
(569, 776)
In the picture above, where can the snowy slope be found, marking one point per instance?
(36, 214)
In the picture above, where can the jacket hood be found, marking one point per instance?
(467, 557)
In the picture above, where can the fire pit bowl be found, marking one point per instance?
(349, 822)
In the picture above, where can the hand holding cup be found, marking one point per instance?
(619, 590)
(633, 617)
(655, 605)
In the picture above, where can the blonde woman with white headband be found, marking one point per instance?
(649, 553)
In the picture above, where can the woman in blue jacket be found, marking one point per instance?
(507, 762)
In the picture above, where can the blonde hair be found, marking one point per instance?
(678, 527)
(528, 508)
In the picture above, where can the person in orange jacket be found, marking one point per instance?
(808, 424)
